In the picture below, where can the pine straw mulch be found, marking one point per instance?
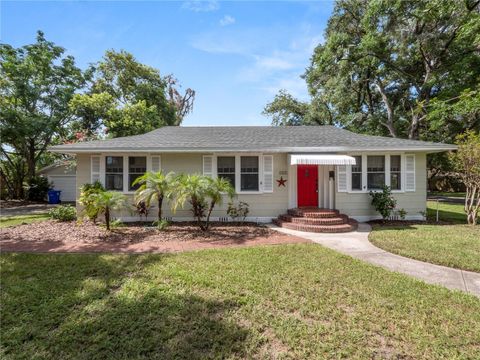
(54, 236)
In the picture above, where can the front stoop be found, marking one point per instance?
(316, 220)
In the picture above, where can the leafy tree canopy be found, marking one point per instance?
(36, 83)
(126, 97)
(386, 64)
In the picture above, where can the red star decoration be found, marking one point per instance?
(282, 181)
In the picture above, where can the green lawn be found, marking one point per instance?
(447, 212)
(21, 219)
(289, 301)
(456, 245)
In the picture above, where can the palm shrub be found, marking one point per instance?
(106, 201)
(203, 193)
(154, 186)
(215, 192)
(191, 188)
(87, 201)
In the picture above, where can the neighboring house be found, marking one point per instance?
(62, 177)
(324, 166)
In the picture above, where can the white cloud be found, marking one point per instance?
(227, 20)
(273, 58)
(200, 5)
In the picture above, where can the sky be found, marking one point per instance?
(236, 55)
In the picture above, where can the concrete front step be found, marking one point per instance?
(351, 225)
(337, 220)
(313, 212)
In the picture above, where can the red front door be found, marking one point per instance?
(307, 185)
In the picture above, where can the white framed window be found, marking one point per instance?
(357, 181)
(114, 173)
(137, 166)
(375, 172)
(249, 173)
(226, 168)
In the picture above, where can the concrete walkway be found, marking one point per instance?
(356, 244)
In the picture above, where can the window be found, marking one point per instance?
(249, 173)
(114, 173)
(226, 168)
(357, 174)
(375, 172)
(137, 166)
(395, 172)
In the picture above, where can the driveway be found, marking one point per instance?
(28, 209)
(356, 244)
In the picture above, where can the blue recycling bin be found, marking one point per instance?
(54, 196)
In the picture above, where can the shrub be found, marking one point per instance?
(161, 224)
(106, 201)
(37, 188)
(383, 202)
(142, 209)
(63, 213)
(238, 211)
(203, 193)
(402, 213)
(86, 199)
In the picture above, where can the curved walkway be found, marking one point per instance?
(356, 244)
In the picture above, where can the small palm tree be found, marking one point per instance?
(106, 201)
(191, 188)
(154, 186)
(216, 191)
(197, 189)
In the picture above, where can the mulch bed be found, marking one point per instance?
(54, 236)
(393, 223)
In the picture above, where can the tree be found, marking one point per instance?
(36, 84)
(285, 110)
(106, 201)
(203, 193)
(126, 97)
(216, 190)
(467, 162)
(191, 188)
(383, 62)
(154, 186)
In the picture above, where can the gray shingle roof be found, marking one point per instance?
(251, 138)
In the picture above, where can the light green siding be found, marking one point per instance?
(358, 205)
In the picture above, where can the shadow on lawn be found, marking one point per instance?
(108, 307)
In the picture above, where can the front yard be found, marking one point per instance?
(287, 301)
(7, 221)
(450, 243)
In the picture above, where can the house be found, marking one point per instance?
(62, 177)
(273, 169)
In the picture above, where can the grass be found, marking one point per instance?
(447, 212)
(21, 219)
(288, 301)
(456, 245)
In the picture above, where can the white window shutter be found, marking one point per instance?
(156, 163)
(94, 168)
(342, 178)
(267, 173)
(208, 165)
(410, 172)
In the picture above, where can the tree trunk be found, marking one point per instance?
(107, 218)
(160, 203)
(31, 160)
(472, 205)
(207, 222)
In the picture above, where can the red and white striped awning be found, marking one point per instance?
(321, 159)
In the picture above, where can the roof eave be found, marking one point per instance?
(428, 149)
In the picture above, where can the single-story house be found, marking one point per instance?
(62, 176)
(273, 169)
